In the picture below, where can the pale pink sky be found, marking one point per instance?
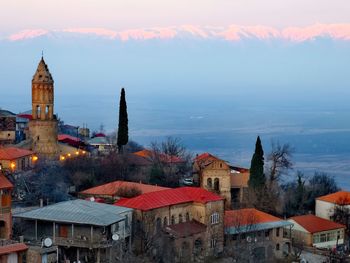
(120, 15)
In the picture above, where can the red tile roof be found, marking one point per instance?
(64, 137)
(13, 153)
(205, 159)
(186, 229)
(4, 182)
(340, 198)
(314, 224)
(25, 116)
(168, 197)
(12, 248)
(112, 188)
(247, 216)
(163, 157)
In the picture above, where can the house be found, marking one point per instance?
(7, 127)
(76, 230)
(6, 188)
(16, 159)
(252, 232)
(314, 231)
(325, 204)
(191, 219)
(217, 175)
(10, 251)
(239, 183)
(100, 144)
(114, 190)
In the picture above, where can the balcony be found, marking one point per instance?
(83, 242)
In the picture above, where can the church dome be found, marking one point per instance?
(42, 74)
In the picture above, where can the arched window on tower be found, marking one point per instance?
(216, 184)
(38, 111)
(47, 109)
(209, 183)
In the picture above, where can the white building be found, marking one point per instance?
(313, 231)
(325, 204)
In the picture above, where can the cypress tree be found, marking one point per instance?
(257, 176)
(123, 132)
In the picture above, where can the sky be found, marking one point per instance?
(123, 15)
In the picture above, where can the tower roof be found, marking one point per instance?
(42, 74)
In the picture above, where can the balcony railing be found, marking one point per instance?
(5, 210)
(83, 242)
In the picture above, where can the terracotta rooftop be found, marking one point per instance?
(13, 153)
(4, 182)
(12, 248)
(168, 197)
(186, 229)
(163, 157)
(341, 198)
(112, 188)
(314, 224)
(248, 216)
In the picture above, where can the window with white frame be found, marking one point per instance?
(214, 218)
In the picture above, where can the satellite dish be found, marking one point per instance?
(249, 239)
(92, 199)
(115, 237)
(47, 242)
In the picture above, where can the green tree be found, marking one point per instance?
(257, 176)
(123, 133)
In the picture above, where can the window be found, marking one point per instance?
(277, 246)
(267, 233)
(180, 218)
(172, 219)
(214, 218)
(277, 232)
(165, 221)
(213, 242)
(216, 184)
(158, 223)
(234, 237)
(209, 183)
(187, 217)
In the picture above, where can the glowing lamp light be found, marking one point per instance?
(69, 154)
(13, 166)
(77, 152)
(62, 158)
(35, 158)
(84, 152)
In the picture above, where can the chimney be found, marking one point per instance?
(41, 202)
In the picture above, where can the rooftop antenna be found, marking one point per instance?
(42, 53)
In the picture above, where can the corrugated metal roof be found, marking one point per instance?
(77, 212)
(168, 197)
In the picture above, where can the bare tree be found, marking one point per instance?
(279, 161)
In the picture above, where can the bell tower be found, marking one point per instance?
(43, 126)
